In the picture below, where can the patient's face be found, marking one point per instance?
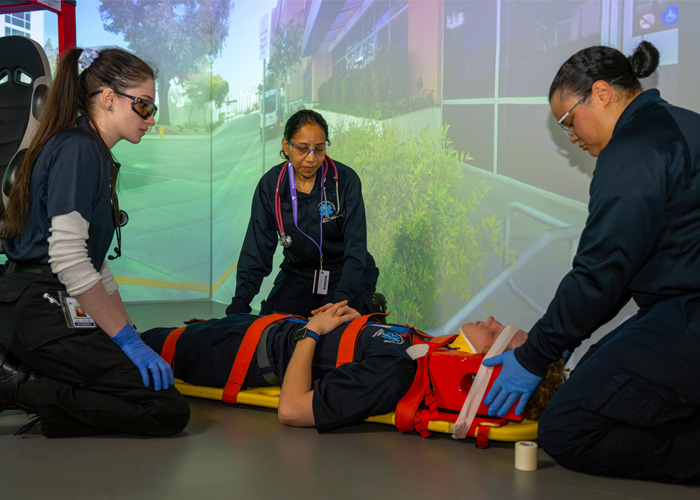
(482, 335)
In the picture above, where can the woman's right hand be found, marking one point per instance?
(320, 309)
(331, 316)
(145, 358)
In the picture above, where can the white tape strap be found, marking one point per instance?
(481, 382)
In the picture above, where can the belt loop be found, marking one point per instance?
(47, 271)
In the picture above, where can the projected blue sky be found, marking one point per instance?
(242, 67)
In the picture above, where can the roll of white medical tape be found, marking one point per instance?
(526, 455)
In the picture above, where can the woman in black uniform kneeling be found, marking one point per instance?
(86, 373)
(313, 207)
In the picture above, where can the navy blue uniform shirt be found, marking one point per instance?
(72, 173)
(642, 236)
(344, 239)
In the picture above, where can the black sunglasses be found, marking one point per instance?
(142, 107)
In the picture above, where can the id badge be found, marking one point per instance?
(76, 317)
(321, 279)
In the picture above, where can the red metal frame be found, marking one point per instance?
(66, 18)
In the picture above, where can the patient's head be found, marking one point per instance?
(482, 334)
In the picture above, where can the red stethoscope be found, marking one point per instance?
(285, 240)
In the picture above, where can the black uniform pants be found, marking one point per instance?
(207, 350)
(631, 408)
(86, 384)
(291, 292)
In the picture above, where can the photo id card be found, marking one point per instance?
(321, 279)
(76, 317)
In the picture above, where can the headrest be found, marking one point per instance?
(25, 75)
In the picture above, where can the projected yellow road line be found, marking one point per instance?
(175, 285)
(224, 277)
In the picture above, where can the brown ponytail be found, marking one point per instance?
(550, 383)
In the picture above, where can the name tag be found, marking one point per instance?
(321, 279)
(76, 317)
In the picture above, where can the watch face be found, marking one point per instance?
(300, 334)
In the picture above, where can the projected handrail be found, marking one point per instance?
(560, 231)
(553, 222)
(535, 214)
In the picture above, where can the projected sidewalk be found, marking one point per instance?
(186, 207)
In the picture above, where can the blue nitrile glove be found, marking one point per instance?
(145, 358)
(512, 383)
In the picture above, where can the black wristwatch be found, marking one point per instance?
(304, 332)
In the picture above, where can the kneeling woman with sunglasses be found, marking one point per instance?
(69, 350)
(313, 207)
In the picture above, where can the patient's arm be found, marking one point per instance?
(295, 406)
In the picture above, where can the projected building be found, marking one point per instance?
(344, 37)
(484, 68)
(29, 24)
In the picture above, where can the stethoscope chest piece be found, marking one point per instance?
(123, 218)
(285, 240)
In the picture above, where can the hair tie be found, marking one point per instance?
(87, 57)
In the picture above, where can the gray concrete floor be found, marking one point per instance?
(244, 452)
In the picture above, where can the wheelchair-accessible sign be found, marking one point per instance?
(670, 16)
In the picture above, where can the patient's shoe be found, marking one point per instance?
(12, 374)
(378, 303)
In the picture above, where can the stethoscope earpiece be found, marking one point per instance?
(120, 219)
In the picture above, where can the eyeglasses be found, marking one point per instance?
(304, 149)
(142, 107)
(569, 129)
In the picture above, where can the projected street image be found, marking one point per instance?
(475, 199)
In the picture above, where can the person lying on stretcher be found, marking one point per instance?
(314, 391)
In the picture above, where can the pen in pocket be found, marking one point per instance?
(50, 299)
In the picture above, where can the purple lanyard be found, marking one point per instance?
(293, 189)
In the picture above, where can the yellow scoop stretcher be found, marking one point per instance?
(268, 397)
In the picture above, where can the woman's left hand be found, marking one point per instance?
(328, 306)
(145, 358)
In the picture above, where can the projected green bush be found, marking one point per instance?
(423, 230)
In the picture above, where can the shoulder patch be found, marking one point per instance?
(389, 336)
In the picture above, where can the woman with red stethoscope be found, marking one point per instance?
(312, 206)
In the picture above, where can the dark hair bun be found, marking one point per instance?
(644, 59)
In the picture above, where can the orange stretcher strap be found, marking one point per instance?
(407, 409)
(168, 350)
(482, 436)
(245, 355)
(348, 341)
(407, 414)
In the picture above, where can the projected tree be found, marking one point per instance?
(285, 53)
(204, 89)
(176, 35)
